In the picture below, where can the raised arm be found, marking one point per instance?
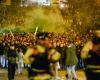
(86, 48)
(27, 55)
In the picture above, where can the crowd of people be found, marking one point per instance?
(56, 39)
(67, 44)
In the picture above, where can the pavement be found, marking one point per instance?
(23, 76)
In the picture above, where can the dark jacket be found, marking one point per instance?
(12, 56)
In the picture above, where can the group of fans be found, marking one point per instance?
(44, 50)
(58, 39)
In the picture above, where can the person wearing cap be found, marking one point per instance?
(91, 56)
(12, 62)
(41, 59)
